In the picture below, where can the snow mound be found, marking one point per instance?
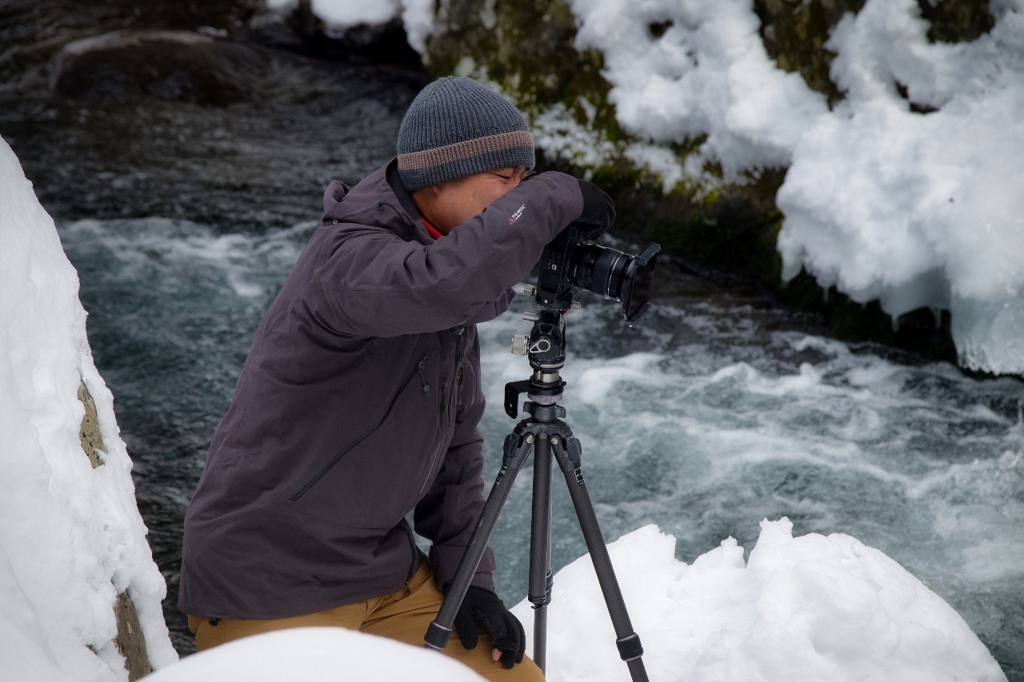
(811, 607)
(71, 538)
(806, 608)
(316, 655)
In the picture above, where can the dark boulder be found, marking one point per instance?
(171, 65)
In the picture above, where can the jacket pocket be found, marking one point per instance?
(451, 402)
(406, 380)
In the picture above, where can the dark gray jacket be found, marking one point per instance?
(359, 402)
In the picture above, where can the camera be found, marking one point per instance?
(570, 260)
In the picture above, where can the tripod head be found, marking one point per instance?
(545, 347)
(570, 261)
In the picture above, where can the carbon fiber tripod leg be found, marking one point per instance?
(516, 449)
(568, 454)
(540, 548)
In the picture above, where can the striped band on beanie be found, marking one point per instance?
(457, 127)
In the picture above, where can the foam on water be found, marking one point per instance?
(704, 421)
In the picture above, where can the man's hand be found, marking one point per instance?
(598, 211)
(483, 608)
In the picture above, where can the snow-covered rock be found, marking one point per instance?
(71, 537)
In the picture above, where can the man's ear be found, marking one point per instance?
(426, 198)
(427, 194)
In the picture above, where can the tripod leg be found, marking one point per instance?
(540, 548)
(516, 449)
(568, 453)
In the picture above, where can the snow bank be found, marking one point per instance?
(806, 608)
(71, 538)
(919, 209)
(880, 200)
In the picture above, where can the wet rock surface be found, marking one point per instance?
(173, 65)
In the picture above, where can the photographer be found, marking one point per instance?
(360, 399)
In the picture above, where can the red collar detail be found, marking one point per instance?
(431, 230)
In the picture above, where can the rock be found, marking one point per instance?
(130, 641)
(171, 65)
(89, 434)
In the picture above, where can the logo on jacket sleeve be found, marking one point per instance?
(515, 216)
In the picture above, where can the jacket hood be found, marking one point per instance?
(379, 200)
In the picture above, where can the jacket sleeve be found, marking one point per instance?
(373, 283)
(448, 513)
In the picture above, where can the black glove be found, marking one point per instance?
(598, 211)
(482, 607)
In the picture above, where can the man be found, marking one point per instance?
(360, 399)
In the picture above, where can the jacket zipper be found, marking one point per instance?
(418, 368)
(446, 415)
(459, 379)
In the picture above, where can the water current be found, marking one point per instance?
(716, 413)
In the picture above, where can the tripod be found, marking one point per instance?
(546, 435)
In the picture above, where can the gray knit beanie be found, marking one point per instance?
(457, 127)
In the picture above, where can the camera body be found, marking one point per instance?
(570, 260)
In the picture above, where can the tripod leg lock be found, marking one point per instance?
(437, 636)
(630, 647)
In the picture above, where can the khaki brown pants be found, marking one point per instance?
(403, 615)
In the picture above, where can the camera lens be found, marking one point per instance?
(616, 275)
(599, 270)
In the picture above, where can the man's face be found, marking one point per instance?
(453, 203)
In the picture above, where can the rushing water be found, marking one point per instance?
(716, 413)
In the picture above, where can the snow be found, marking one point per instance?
(316, 655)
(708, 74)
(919, 210)
(881, 201)
(71, 538)
(811, 607)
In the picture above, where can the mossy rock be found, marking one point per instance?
(527, 48)
(795, 33)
